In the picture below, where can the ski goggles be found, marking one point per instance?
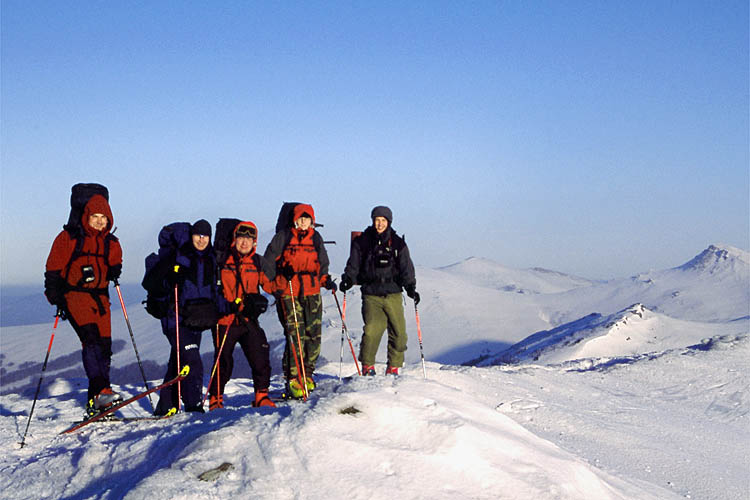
(246, 231)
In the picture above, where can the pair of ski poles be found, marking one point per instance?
(58, 314)
(345, 330)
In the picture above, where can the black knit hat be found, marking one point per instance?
(201, 227)
(382, 211)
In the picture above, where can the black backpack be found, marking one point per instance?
(80, 194)
(286, 216)
(223, 237)
(286, 221)
(171, 237)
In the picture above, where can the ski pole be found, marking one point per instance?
(419, 334)
(341, 350)
(132, 338)
(303, 381)
(216, 364)
(346, 330)
(39, 385)
(177, 335)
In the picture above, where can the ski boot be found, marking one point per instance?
(106, 398)
(368, 370)
(262, 399)
(392, 370)
(294, 389)
(215, 402)
(310, 383)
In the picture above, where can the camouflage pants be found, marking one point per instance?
(309, 311)
(379, 314)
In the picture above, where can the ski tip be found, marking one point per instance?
(185, 370)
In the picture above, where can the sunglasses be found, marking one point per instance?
(247, 232)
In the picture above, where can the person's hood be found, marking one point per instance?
(97, 205)
(303, 208)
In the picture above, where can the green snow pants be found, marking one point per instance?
(309, 321)
(381, 313)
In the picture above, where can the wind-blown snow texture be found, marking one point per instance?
(539, 385)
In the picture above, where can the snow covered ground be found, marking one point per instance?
(539, 385)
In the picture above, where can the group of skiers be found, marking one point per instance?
(192, 291)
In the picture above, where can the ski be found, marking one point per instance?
(101, 416)
(113, 418)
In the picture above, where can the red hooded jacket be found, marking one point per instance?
(85, 272)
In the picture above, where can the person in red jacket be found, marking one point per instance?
(301, 269)
(78, 271)
(242, 276)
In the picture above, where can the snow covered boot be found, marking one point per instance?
(262, 399)
(215, 402)
(294, 389)
(392, 370)
(368, 370)
(106, 398)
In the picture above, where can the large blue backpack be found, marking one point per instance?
(171, 237)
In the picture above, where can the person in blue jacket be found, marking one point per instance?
(199, 306)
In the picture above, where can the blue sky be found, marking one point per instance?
(594, 138)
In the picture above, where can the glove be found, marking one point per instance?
(113, 273)
(329, 283)
(176, 275)
(234, 306)
(255, 305)
(411, 291)
(346, 283)
(62, 313)
(287, 272)
(54, 288)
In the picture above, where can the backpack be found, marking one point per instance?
(80, 194)
(286, 216)
(223, 238)
(171, 237)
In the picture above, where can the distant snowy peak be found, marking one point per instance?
(487, 273)
(632, 331)
(718, 258)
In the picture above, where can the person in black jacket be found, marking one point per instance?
(379, 262)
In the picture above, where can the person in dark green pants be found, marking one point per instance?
(379, 262)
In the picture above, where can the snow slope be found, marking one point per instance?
(490, 274)
(620, 401)
(630, 332)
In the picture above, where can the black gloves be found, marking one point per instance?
(329, 284)
(54, 289)
(346, 283)
(176, 275)
(255, 305)
(287, 272)
(113, 273)
(411, 291)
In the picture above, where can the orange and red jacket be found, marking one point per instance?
(86, 296)
(249, 269)
(304, 252)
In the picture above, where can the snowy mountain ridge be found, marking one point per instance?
(630, 332)
(717, 258)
